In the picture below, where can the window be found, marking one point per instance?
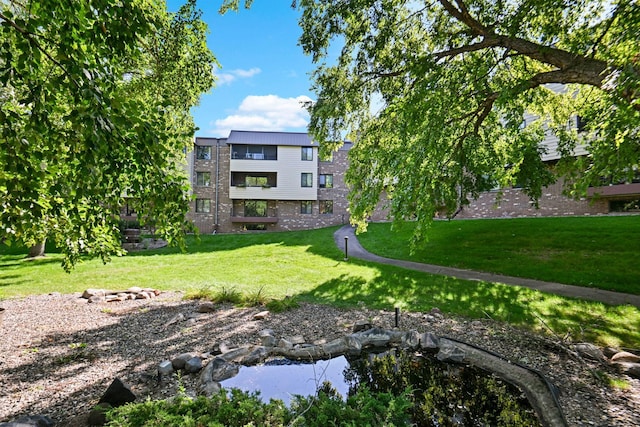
(581, 124)
(256, 181)
(306, 207)
(203, 153)
(254, 152)
(326, 206)
(307, 153)
(255, 208)
(203, 179)
(326, 181)
(307, 180)
(203, 205)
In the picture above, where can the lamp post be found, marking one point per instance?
(346, 250)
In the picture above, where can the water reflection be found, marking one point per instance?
(283, 378)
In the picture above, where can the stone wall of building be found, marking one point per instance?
(515, 203)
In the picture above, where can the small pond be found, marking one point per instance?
(284, 378)
(442, 394)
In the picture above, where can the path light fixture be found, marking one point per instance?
(346, 251)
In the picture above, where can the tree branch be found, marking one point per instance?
(32, 39)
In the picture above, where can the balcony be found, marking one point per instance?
(619, 190)
(240, 216)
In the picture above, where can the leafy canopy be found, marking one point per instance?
(94, 110)
(434, 93)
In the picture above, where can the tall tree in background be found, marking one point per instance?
(94, 107)
(434, 94)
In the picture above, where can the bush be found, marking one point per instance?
(240, 408)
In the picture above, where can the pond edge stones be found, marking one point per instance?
(542, 394)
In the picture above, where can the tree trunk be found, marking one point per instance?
(37, 250)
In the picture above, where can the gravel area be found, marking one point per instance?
(58, 353)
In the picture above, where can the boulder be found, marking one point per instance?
(362, 325)
(30, 421)
(625, 356)
(117, 394)
(94, 292)
(261, 316)
(98, 415)
(589, 351)
(180, 361)
(219, 370)
(193, 365)
(165, 367)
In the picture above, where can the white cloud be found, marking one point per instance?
(232, 75)
(265, 113)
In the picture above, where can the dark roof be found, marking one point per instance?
(300, 139)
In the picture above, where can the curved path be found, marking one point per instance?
(354, 249)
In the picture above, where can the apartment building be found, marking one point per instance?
(271, 181)
(610, 198)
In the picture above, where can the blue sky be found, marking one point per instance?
(264, 74)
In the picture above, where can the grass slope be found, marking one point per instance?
(309, 266)
(599, 252)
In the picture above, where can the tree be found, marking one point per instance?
(91, 114)
(433, 93)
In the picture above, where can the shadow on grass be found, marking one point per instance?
(578, 320)
(415, 291)
(319, 241)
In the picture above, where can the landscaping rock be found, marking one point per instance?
(193, 365)
(180, 361)
(589, 350)
(117, 394)
(362, 325)
(98, 415)
(219, 370)
(165, 367)
(100, 295)
(30, 421)
(625, 356)
(260, 316)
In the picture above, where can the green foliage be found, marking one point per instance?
(90, 113)
(362, 408)
(284, 304)
(248, 299)
(442, 394)
(240, 408)
(255, 298)
(434, 95)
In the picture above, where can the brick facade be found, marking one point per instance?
(514, 203)
(225, 215)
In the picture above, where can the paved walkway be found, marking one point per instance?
(354, 249)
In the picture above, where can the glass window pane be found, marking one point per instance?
(326, 206)
(203, 153)
(307, 180)
(203, 205)
(306, 207)
(203, 179)
(326, 181)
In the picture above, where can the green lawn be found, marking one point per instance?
(309, 266)
(599, 252)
